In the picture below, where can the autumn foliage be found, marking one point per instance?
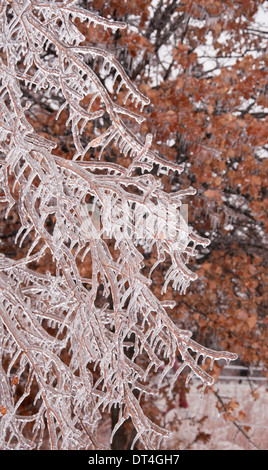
(202, 65)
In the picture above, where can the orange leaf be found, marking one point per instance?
(15, 381)
(241, 415)
(3, 410)
(213, 194)
(251, 321)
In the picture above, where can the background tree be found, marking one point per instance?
(202, 64)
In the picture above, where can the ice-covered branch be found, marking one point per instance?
(65, 333)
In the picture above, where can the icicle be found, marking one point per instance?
(211, 363)
(127, 96)
(203, 389)
(120, 86)
(189, 377)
